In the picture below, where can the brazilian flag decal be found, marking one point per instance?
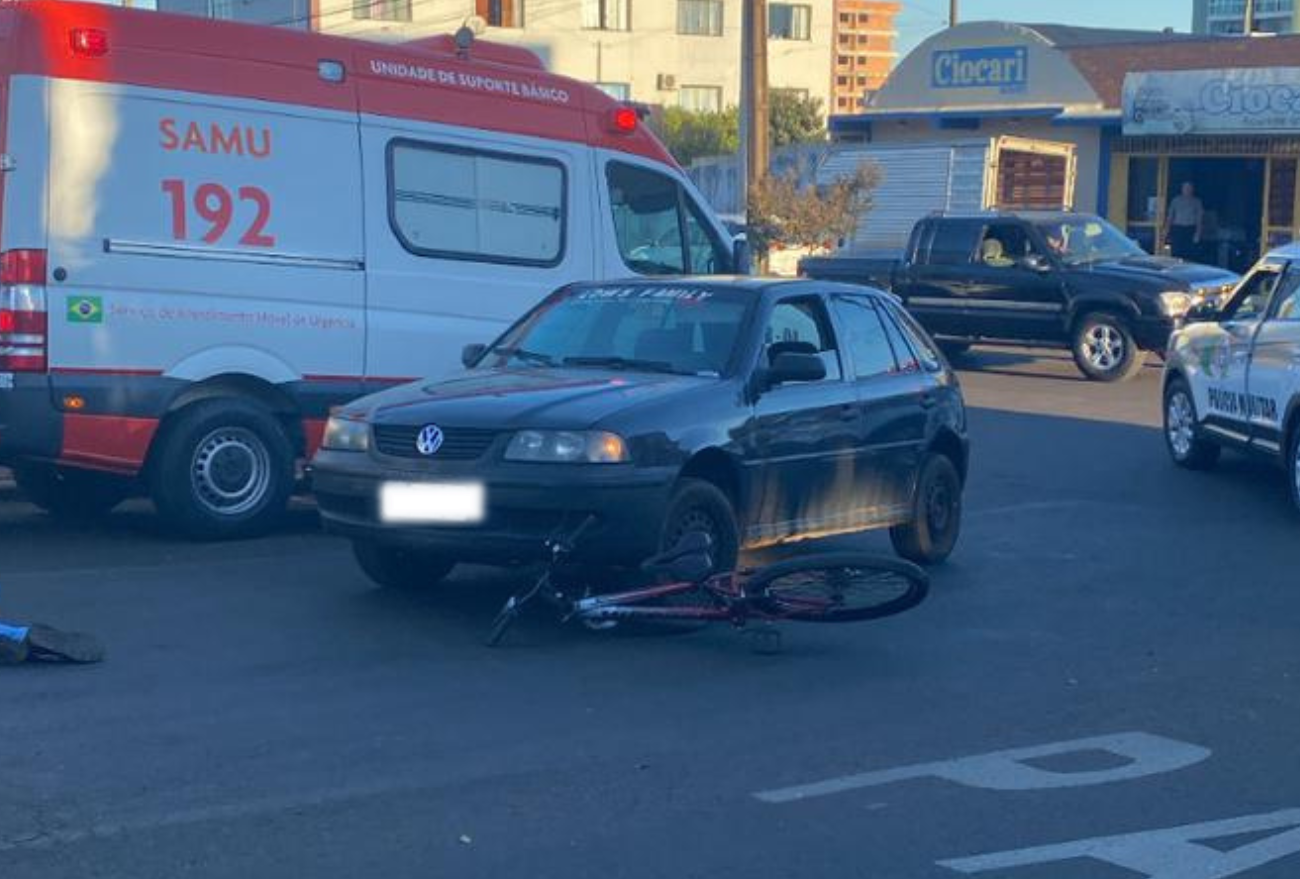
(85, 310)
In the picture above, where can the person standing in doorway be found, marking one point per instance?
(1184, 223)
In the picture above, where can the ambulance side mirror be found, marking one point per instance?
(470, 354)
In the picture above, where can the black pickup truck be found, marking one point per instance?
(1055, 279)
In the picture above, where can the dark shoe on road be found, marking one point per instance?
(45, 644)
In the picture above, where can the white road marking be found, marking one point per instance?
(1172, 853)
(1006, 770)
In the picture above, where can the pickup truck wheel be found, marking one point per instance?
(224, 469)
(930, 537)
(1186, 447)
(1104, 348)
(74, 495)
(396, 567)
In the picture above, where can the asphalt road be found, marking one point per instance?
(266, 713)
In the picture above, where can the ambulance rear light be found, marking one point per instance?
(89, 42)
(24, 316)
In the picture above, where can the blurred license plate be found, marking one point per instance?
(428, 502)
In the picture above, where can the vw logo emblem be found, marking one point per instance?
(429, 439)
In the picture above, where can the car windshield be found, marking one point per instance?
(660, 328)
(1079, 240)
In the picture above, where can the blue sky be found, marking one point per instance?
(920, 19)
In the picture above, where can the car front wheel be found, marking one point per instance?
(396, 567)
(1104, 348)
(930, 537)
(1186, 447)
(697, 505)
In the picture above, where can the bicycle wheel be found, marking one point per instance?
(838, 588)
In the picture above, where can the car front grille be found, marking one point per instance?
(458, 443)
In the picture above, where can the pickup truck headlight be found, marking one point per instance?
(567, 447)
(1175, 303)
(346, 435)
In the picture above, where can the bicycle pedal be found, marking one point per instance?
(766, 642)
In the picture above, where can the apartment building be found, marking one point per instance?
(864, 51)
(670, 52)
(1229, 16)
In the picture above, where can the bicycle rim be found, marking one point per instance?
(838, 588)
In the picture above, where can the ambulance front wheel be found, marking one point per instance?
(224, 469)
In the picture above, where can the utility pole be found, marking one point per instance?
(1248, 27)
(754, 110)
(952, 12)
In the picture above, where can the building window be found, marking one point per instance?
(789, 21)
(792, 93)
(454, 203)
(619, 91)
(501, 13)
(607, 15)
(382, 10)
(700, 98)
(843, 60)
(701, 18)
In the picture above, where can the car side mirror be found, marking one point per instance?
(1036, 262)
(742, 259)
(1203, 312)
(471, 354)
(795, 366)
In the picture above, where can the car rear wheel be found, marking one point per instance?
(930, 537)
(224, 469)
(1104, 348)
(697, 505)
(1186, 447)
(396, 567)
(71, 494)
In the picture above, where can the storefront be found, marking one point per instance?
(1145, 112)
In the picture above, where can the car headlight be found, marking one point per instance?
(568, 447)
(1175, 303)
(346, 435)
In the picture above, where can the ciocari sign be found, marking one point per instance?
(1001, 67)
(1224, 101)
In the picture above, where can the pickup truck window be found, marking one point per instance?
(868, 343)
(1005, 245)
(803, 325)
(954, 243)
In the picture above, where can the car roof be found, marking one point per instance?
(754, 284)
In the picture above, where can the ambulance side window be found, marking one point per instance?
(659, 228)
(455, 203)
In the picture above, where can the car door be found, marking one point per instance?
(1223, 355)
(935, 284)
(1013, 293)
(1273, 379)
(893, 396)
(804, 436)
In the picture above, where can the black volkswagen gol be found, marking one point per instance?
(758, 411)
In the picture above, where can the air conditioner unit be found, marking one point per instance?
(667, 82)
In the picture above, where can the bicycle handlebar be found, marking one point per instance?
(564, 545)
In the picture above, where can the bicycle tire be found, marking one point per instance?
(812, 589)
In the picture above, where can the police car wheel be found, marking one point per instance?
(1186, 446)
(1295, 466)
(930, 537)
(224, 468)
(397, 567)
(70, 494)
(1104, 348)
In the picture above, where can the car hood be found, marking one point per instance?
(1166, 272)
(510, 398)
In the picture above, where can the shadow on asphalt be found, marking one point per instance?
(1048, 364)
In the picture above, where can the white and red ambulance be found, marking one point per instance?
(211, 232)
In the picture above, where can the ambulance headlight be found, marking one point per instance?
(346, 435)
(1175, 303)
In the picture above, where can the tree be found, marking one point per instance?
(690, 135)
(784, 213)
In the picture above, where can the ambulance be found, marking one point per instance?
(211, 233)
(1232, 379)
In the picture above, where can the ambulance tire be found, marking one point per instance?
(1104, 348)
(72, 495)
(224, 469)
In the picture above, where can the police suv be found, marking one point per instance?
(1233, 376)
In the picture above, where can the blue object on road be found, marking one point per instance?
(13, 633)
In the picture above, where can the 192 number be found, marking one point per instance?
(215, 205)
